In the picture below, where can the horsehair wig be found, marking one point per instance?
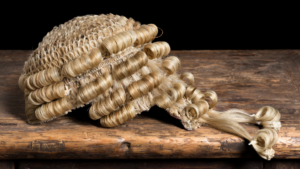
(110, 62)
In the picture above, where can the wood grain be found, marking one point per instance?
(246, 79)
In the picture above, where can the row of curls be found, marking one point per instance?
(43, 78)
(131, 65)
(71, 69)
(112, 45)
(53, 109)
(108, 104)
(119, 117)
(144, 85)
(82, 64)
(95, 88)
(86, 61)
(48, 93)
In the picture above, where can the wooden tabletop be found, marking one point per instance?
(245, 79)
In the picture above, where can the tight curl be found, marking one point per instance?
(189, 76)
(157, 49)
(119, 117)
(170, 65)
(263, 142)
(268, 117)
(145, 34)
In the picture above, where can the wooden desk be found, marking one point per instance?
(245, 79)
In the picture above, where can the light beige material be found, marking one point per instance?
(110, 62)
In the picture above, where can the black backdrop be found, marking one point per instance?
(188, 25)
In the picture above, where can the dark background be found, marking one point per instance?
(188, 25)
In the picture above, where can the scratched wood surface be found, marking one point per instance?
(246, 79)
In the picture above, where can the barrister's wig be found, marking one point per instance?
(111, 63)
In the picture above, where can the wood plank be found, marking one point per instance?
(246, 79)
(7, 164)
(144, 164)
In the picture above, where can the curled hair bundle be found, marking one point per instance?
(21, 82)
(189, 76)
(131, 65)
(52, 109)
(157, 49)
(82, 64)
(170, 65)
(48, 93)
(194, 94)
(229, 121)
(145, 34)
(43, 78)
(95, 88)
(118, 42)
(213, 96)
(107, 105)
(119, 117)
(145, 85)
(263, 141)
(268, 117)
